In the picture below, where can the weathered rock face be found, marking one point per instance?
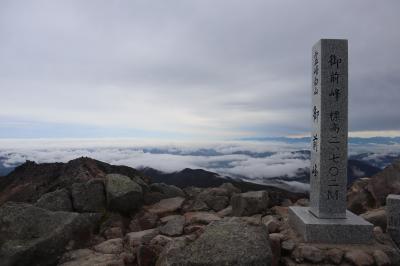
(58, 200)
(249, 203)
(223, 243)
(33, 236)
(123, 194)
(89, 196)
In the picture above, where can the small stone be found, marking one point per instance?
(225, 212)
(198, 205)
(275, 242)
(379, 235)
(302, 202)
(281, 211)
(165, 219)
(137, 238)
(272, 223)
(200, 217)
(381, 259)
(194, 228)
(111, 246)
(113, 232)
(160, 240)
(309, 253)
(173, 227)
(335, 255)
(286, 203)
(143, 221)
(165, 206)
(359, 258)
(288, 246)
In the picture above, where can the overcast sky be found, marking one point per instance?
(189, 69)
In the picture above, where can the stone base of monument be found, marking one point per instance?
(351, 230)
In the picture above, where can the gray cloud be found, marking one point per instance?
(205, 68)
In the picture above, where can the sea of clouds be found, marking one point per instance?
(249, 159)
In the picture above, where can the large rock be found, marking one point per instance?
(385, 183)
(216, 198)
(89, 196)
(123, 194)
(33, 236)
(169, 191)
(173, 227)
(359, 198)
(377, 217)
(166, 206)
(222, 243)
(249, 203)
(58, 200)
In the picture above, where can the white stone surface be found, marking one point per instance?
(352, 230)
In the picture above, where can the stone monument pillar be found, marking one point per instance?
(393, 217)
(327, 220)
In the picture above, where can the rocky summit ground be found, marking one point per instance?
(87, 212)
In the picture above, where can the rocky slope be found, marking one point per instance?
(87, 212)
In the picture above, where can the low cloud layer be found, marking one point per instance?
(252, 160)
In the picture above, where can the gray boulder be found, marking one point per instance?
(249, 203)
(173, 227)
(34, 236)
(169, 191)
(216, 198)
(89, 197)
(223, 242)
(58, 200)
(123, 194)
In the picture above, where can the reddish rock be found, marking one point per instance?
(335, 255)
(275, 241)
(193, 228)
(377, 217)
(381, 259)
(308, 253)
(359, 258)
